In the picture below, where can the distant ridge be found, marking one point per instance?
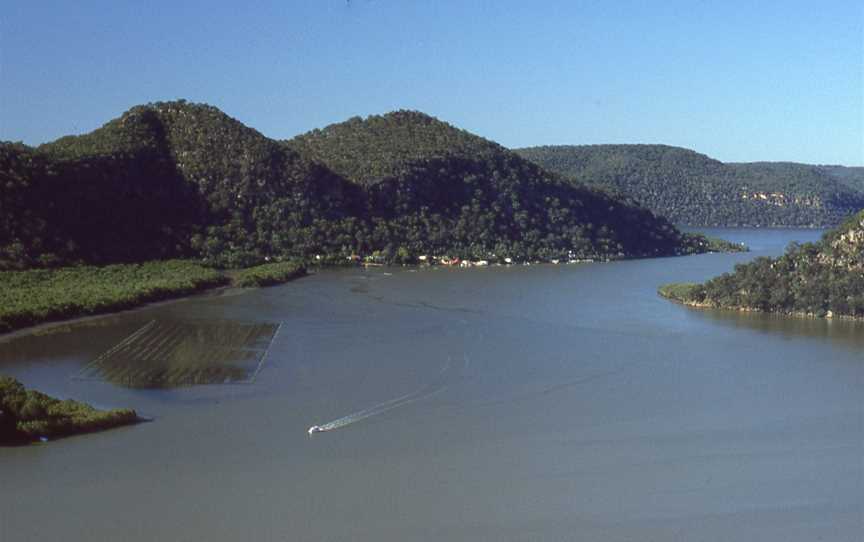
(853, 177)
(692, 189)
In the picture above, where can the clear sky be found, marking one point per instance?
(737, 80)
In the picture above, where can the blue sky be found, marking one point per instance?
(739, 81)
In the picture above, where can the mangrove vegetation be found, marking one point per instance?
(36, 296)
(29, 416)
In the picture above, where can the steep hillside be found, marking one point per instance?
(437, 189)
(821, 279)
(693, 189)
(27, 235)
(172, 179)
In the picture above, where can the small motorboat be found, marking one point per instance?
(316, 429)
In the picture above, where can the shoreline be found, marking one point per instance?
(47, 326)
(276, 273)
(790, 314)
(227, 287)
(28, 416)
(234, 285)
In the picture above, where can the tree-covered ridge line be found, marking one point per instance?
(378, 147)
(434, 189)
(853, 177)
(821, 279)
(168, 180)
(179, 180)
(29, 416)
(693, 189)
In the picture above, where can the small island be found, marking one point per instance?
(30, 416)
(822, 279)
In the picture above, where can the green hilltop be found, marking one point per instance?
(693, 189)
(433, 188)
(381, 146)
(182, 180)
(165, 180)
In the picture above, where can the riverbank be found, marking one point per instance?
(30, 416)
(30, 298)
(35, 297)
(682, 293)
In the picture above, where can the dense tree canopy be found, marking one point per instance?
(437, 189)
(693, 189)
(811, 278)
(174, 179)
(370, 150)
(853, 177)
(28, 415)
(167, 180)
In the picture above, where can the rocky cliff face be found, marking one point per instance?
(845, 246)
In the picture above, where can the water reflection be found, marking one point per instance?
(846, 332)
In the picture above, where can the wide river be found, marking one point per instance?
(525, 403)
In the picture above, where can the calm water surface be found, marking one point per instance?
(528, 403)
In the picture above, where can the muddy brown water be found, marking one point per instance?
(522, 403)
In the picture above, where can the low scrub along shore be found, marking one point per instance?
(692, 294)
(28, 415)
(37, 296)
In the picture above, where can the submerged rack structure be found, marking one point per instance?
(177, 353)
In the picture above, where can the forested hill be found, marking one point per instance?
(821, 279)
(166, 180)
(853, 177)
(437, 189)
(175, 179)
(380, 146)
(693, 189)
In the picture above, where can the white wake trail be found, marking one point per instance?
(425, 392)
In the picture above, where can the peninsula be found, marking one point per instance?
(822, 279)
(30, 416)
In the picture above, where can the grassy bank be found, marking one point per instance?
(267, 274)
(27, 415)
(37, 296)
(682, 292)
(33, 297)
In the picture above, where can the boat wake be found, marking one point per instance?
(427, 391)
